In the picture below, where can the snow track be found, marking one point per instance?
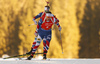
(49, 61)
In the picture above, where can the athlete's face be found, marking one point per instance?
(46, 9)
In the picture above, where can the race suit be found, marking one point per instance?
(44, 31)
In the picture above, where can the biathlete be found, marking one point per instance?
(43, 31)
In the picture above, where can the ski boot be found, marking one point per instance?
(30, 57)
(44, 57)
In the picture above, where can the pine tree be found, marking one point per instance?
(89, 28)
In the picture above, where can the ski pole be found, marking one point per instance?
(31, 24)
(61, 42)
(20, 55)
(53, 27)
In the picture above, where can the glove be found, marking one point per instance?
(36, 34)
(60, 28)
(35, 22)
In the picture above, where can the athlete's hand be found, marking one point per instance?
(35, 22)
(60, 28)
(36, 34)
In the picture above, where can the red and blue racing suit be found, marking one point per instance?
(44, 31)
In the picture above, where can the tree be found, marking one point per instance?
(89, 28)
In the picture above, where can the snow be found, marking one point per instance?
(49, 61)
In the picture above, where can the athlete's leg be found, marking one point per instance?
(37, 43)
(34, 43)
(46, 42)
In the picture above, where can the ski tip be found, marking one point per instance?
(4, 58)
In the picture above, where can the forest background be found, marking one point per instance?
(79, 19)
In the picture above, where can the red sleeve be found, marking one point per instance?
(38, 26)
(56, 20)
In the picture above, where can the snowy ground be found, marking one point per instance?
(49, 61)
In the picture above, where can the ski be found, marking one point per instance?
(20, 55)
(33, 59)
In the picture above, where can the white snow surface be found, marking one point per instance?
(49, 61)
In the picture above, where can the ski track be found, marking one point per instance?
(49, 61)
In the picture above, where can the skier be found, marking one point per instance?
(43, 31)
